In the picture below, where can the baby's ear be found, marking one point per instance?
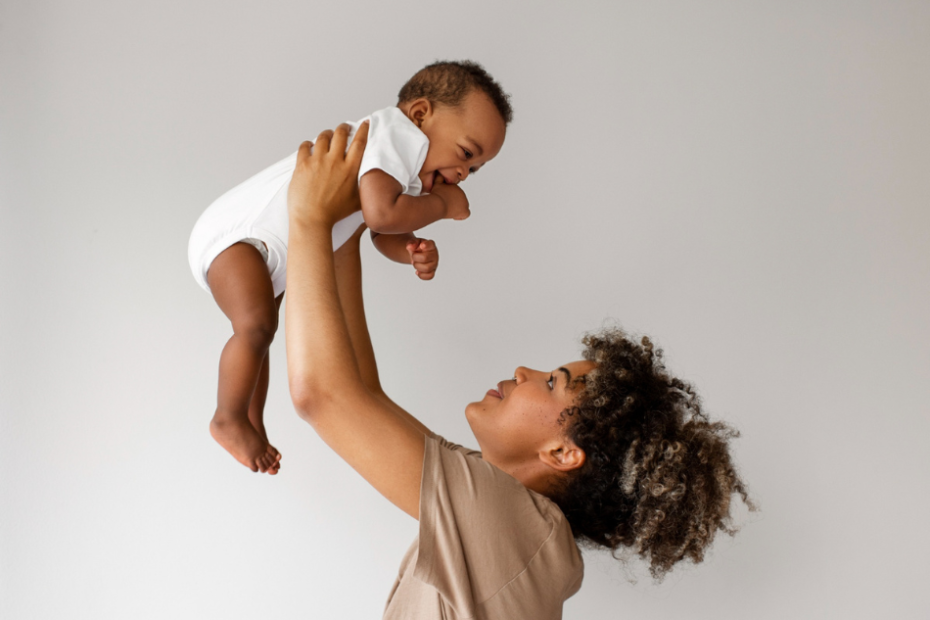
(419, 110)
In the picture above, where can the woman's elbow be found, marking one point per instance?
(317, 397)
(306, 399)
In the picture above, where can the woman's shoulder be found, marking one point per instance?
(484, 499)
(486, 541)
(456, 465)
(445, 443)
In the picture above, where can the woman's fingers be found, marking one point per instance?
(324, 185)
(322, 142)
(340, 138)
(303, 153)
(357, 148)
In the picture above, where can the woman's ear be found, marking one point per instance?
(419, 110)
(564, 457)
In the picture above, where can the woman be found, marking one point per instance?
(609, 450)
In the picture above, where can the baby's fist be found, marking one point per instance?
(455, 199)
(424, 257)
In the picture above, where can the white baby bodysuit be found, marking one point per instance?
(256, 210)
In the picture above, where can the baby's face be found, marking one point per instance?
(461, 138)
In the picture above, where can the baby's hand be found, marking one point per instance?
(455, 199)
(424, 257)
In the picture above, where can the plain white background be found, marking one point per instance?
(747, 182)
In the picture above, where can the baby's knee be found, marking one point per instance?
(257, 329)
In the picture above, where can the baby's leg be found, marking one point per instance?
(257, 406)
(242, 288)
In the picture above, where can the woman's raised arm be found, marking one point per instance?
(349, 283)
(324, 372)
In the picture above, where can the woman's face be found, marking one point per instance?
(520, 417)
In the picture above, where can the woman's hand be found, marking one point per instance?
(324, 187)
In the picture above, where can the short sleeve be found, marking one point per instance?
(490, 546)
(396, 146)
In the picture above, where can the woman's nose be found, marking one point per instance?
(522, 373)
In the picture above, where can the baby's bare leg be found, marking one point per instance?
(257, 406)
(242, 288)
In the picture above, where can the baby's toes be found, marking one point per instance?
(270, 461)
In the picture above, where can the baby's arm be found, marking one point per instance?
(409, 249)
(388, 210)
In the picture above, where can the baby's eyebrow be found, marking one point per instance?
(477, 146)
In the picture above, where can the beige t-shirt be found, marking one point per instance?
(489, 548)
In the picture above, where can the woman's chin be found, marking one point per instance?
(473, 413)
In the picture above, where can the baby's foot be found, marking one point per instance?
(240, 439)
(271, 461)
(272, 458)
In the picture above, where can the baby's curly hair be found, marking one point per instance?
(448, 82)
(658, 478)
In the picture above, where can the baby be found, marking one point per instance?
(450, 120)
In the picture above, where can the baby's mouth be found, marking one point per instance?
(428, 180)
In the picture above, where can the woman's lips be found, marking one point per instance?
(499, 392)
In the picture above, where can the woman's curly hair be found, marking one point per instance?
(658, 478)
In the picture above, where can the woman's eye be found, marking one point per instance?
(551, 382)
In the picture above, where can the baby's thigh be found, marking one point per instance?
(240, 283)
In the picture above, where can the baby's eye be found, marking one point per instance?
(472, 171)
(468, 154)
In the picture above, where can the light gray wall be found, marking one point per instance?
(747, 182)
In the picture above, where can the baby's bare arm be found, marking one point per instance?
(388, 210)
(408, 249)
(394, 246)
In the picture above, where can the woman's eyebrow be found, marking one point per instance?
(568, 375)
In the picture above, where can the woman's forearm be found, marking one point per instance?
(326, 385)
(348, 267)
(319, 351)
(349, 282)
